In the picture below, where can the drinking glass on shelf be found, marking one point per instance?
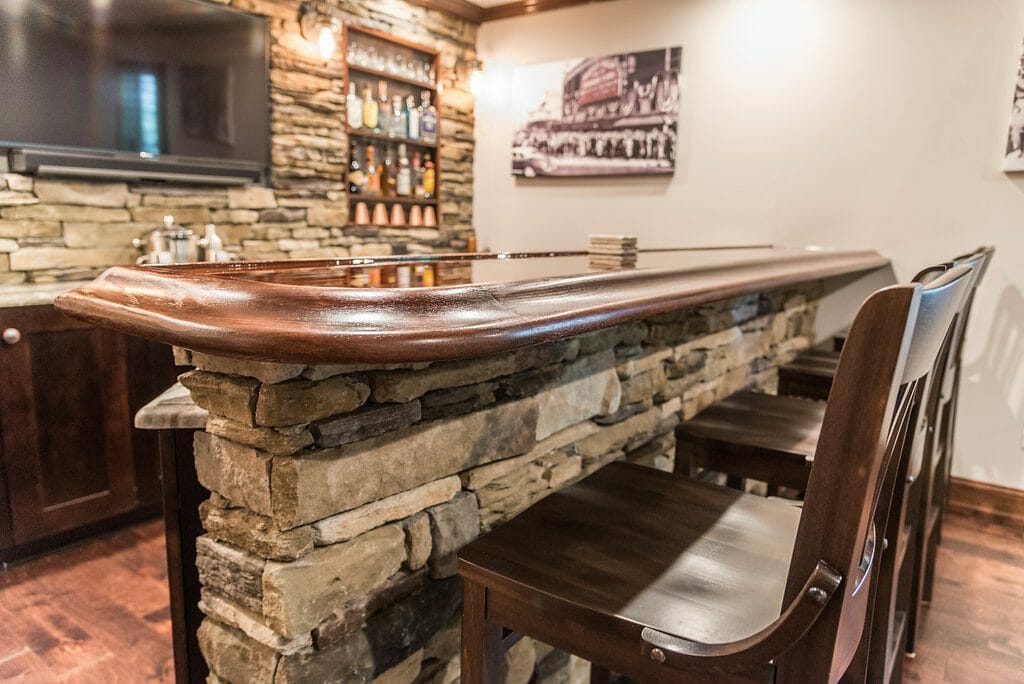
(411, 70)
(380, 60)
(424, 75)
(353, 52)
(371, 56)
(397, 65)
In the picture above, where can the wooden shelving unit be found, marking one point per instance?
(406, 86)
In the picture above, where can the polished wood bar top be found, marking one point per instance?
(426, 308)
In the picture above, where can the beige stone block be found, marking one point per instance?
(241, 216)
(614, 437)
(300, 401)
(19, 183)
(192, 200)
(370, 249)
(480, 477)
(251, 624)
(311, 233)
(190, 216)
(233, 657)
(418, 541)
(279, 442)
(337, 480)
(405, 672)
(518, 662)
(84, 193)
(349, 524)
(299, 595)
(402, 386)
(644, 385)
(28, 229)
(266, 372)
(348, 662)
(251, 198)
(7, 246)
(254, 533)
(84, 235)
(651, 359)
(17, 199)
(235, 471)
(230, 396)
(329, 217)
(452, 526)
(37, 258)
(589, 387)
(62, 212)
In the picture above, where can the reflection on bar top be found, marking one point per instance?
(465, 269)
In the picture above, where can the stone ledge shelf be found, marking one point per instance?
(305, 310)
(357, 438)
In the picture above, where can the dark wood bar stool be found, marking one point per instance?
(667, 579)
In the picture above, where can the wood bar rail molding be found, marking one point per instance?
(292, 311)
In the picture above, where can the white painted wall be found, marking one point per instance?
(854, 123)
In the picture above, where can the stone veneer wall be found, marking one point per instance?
(71, 230)
(341, 494)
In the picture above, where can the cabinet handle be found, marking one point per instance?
(12, 335)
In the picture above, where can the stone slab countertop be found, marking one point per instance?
(36, 294)
(172, 410)
(357, 310)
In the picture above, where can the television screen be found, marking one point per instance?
(146, 77)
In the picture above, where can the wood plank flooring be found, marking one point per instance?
(94, 612)
(97, 612)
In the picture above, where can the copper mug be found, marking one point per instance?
(430, 217)
(397, 215)
(415, 215)
(380, 215)
(362, 214)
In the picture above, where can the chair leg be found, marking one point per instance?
(599, 675)
(929, 567)
(481, 640)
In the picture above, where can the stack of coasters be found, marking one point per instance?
(612, 252)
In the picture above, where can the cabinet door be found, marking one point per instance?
(65, 441)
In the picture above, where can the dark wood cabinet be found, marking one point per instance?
(70, 458)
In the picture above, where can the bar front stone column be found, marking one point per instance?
(342, 493)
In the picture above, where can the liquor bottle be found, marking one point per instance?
(372, 173)
(412, 116)
(429, 177)
(370, 109)
(356, 175)
(354, 107)
(428, 120)
(398, 117)
(403, 186)
(388, 173)
(384, 105)
(417, 175)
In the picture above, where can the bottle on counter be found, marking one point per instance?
(354, 107)
(412, 118)
(428, 120)
(385, 115)
(429, 177)
(403, 185)
(372, 185)
(356, 175)
(399, 118)
(370, 110)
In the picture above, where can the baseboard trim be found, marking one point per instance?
(981, 498)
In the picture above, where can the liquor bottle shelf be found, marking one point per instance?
(373, 135)
(356, 197)
(388, 76)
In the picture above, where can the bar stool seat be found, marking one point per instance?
(696, 560)
(752, 435)
(809, 375)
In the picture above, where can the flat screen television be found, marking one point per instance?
(137, 89)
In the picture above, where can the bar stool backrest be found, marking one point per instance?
(894, 342)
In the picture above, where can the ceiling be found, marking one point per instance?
(488, 3)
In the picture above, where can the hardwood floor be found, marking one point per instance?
(97, 612)
(94, 612)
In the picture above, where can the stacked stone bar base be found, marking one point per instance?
(342, 494)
